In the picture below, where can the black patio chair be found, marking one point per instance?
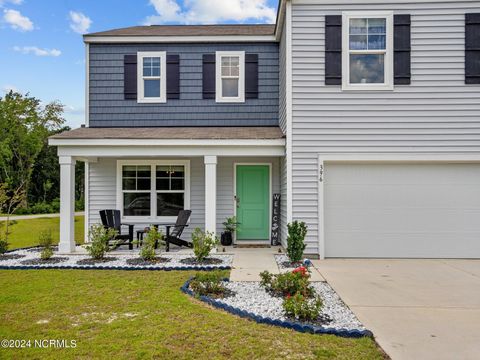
(111, 220)
(173, 235)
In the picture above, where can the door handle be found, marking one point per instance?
(237, 200)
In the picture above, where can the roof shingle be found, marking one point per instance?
(191, 30)
(173, 133)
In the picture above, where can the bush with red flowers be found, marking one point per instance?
(300, 301)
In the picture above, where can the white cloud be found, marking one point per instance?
(8, 87)
(69, 109)
(210, 11)
(14, 2)
(37, 51)
(80, 23)
(17, 21)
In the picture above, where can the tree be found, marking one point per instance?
(45, 181)
(25, 125)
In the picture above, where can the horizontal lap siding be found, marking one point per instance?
(108, 107)
(283, 202)
(102, 185)
(282, 108)
(436, 113)
(102, 193)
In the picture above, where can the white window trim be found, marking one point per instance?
(163, 77)
(153, 191)
(388, 84)
(241, 77)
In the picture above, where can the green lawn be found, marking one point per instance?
(144, 315)
(25, 232)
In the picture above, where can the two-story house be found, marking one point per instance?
(364, 116)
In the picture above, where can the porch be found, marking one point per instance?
(150, 174)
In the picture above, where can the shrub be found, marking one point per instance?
(301, 307)
(209, 283)
(45, 240)
(3, 246)
(147, 252)
(40, 208)
(295, 241)
(230, 224)
(203, 243)
(288, 283)
(99, 238)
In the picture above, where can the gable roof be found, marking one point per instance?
(191, 30)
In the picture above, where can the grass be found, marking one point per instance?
(144, 315)
(25, 232)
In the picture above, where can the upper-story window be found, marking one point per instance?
(230, 76)
(367, 54)
(151, 77)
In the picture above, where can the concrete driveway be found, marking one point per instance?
(417, 309)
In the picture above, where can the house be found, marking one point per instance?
(364, 116)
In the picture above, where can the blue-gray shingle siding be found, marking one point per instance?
(109, 109)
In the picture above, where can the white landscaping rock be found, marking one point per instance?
(121, 261)
(251, 297)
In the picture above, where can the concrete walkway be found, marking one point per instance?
(36, 216)
(248, 263)
(417, 309)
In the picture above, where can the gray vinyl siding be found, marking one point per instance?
(282, 77)
(437, 113)
(283, 202)
(102, 188)
(109, 109)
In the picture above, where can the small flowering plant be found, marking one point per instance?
(299, 299)
(302, 270)
(288, 283)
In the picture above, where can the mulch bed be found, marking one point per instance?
(141, 262)
(96, 261)
(207, 261)
(53, 260)
(10, 257)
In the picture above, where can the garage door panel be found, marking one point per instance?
(402, 210)
(400, 245)
(426, 196)
(398, 219)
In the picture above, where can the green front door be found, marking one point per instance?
(252, 199)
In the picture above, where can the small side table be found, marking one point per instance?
(140, 234)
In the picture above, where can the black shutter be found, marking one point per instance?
(472, 48)
(208, 78)
(251, 76)
(130, 77)
(173, 77)
(402, 49)
(333, 50)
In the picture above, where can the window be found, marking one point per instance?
(230, 76)
(151, 77)
(149, 190)
(170, 189)
(367, 56)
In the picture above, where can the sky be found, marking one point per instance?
(42, 51)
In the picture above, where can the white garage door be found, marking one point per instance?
(402, 210)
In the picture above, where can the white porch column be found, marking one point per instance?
(67, 204)
(210, 193)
